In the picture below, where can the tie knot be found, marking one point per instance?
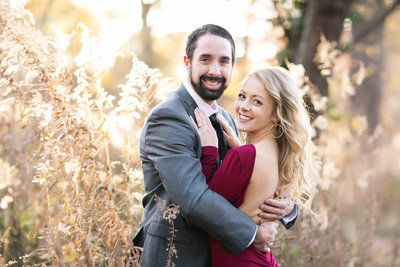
(214, 120)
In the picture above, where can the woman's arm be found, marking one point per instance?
(208, 160)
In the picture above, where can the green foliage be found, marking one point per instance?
(356, 17)
(292, 21)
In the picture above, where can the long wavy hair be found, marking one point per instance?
(297, 169)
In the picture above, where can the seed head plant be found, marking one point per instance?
(76, 204)
(70, 179)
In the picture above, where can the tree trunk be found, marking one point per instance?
(367, 100)
(322, 17)
(147, 46)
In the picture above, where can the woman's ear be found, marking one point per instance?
(275, 119)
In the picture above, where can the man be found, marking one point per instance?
(170, 151)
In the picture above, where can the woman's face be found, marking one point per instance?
(254, 108)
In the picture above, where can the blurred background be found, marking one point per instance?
(266, 32)
(342, 53)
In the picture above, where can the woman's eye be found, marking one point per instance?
(241, 96)
(258, 102)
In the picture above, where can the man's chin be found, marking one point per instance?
(208, 93)
(213, 95)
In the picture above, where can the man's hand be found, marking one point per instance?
(275, 209)
(265, 236)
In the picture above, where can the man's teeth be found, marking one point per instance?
(211, 82)
(242, 117)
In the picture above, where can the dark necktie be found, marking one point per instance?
(222, 145)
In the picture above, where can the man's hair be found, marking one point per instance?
(191, 42)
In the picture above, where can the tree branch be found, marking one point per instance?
(362, 30)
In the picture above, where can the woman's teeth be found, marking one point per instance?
(242, 117)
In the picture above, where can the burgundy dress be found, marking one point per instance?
(230, 180)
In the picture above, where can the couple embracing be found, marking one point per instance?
(231, 196)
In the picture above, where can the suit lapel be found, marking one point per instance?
(189, 103)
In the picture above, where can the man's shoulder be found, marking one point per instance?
(229, 118)
(173, 103)
(225, 113)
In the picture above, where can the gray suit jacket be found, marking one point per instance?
(170, 151)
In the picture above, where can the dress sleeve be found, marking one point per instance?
(231, 179)
(209, 157)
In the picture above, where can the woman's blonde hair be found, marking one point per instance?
(297, 171)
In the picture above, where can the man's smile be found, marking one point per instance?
(212, 83)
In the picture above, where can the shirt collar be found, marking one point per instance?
(206, 108)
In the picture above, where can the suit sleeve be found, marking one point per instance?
(170, 143)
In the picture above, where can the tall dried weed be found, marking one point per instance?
(350, 199)
(70, 180)
(67, 196)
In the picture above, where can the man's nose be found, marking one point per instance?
(214, 70)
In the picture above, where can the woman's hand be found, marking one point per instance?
(208, 136)
(230, 136)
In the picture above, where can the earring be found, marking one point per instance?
(277, 126)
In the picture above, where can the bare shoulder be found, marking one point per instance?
(264, 180)
(266, 167)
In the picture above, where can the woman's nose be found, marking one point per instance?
(245, 105)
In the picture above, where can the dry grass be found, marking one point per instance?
(71, 184)
(66, 199)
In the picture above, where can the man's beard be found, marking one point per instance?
(206, 93)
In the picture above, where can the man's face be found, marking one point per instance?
(211, 66)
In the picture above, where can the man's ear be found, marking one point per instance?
(187, 63)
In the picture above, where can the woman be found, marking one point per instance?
(277, 154)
